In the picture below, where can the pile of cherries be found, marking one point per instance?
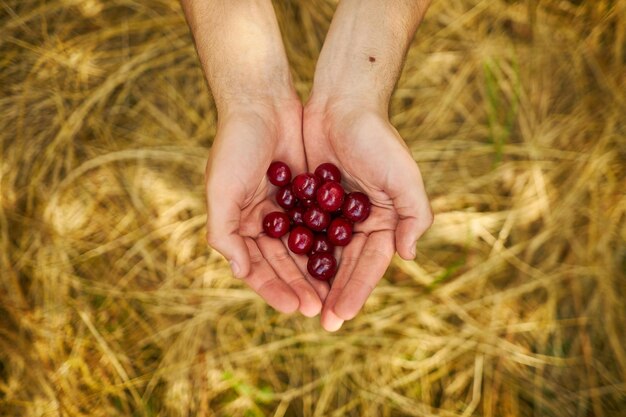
(319, 214)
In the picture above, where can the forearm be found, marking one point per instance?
(365, 48)
(241, 51)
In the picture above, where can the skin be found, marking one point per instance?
(260, 120)
(344, 122)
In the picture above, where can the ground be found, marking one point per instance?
(112, 304)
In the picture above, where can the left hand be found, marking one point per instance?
(374, 159)
(248, 139)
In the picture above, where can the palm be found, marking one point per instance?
(239, 196)
(241, 164)
(365, 159)
(374, 160)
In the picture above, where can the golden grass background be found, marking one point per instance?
(111, 303)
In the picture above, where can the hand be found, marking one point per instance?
(239, 196)
(375, 160)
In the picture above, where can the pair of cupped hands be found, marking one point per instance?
(352, 134)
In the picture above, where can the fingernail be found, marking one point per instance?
(332, 323)
(234, 266)
(413, 250)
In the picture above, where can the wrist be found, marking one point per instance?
(282, 116)
(323, 107)
(355, 91)
(257, 94)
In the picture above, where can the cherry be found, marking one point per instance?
(340, 232)
(296, 214)
(279, 173)
(286, 198)
(321, 244)
(356, 207)
(330, 196)
(322, 266)
(315, 203)
(276, 224)
(305, 185)
(328, 172)
(300, 240)
(316, 218)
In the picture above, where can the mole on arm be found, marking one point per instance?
(372, 59)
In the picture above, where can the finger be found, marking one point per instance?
(373, 261)
(415, 214)
(279, 259)
(263, 280)
(223, 217)
(349, 258)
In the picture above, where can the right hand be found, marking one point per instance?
(357, 136)
(239, 195)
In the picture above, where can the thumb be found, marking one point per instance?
(414, 212)
(223, 219)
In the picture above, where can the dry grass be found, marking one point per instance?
(110, 303)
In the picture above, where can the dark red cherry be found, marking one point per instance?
(276, 224)
(286, 198)
(328, 172)
(296, 215)
(307, 202)
(300, 240)
(279, 173)
(356, 207)
(340, 232)
(316, 219)
(322, 266)
(305, 185)
(321, 244)
(330, 196)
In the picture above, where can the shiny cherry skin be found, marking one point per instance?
(279, 173)
(328, 172)
(276, 224)
(296, 215)
(321, 244)
(322, 266)
(307, 202)
(330, 196)
(356, 207)
(305, 185)
(316, 219)
(286, 198)
(340, 232)
(300, 240)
